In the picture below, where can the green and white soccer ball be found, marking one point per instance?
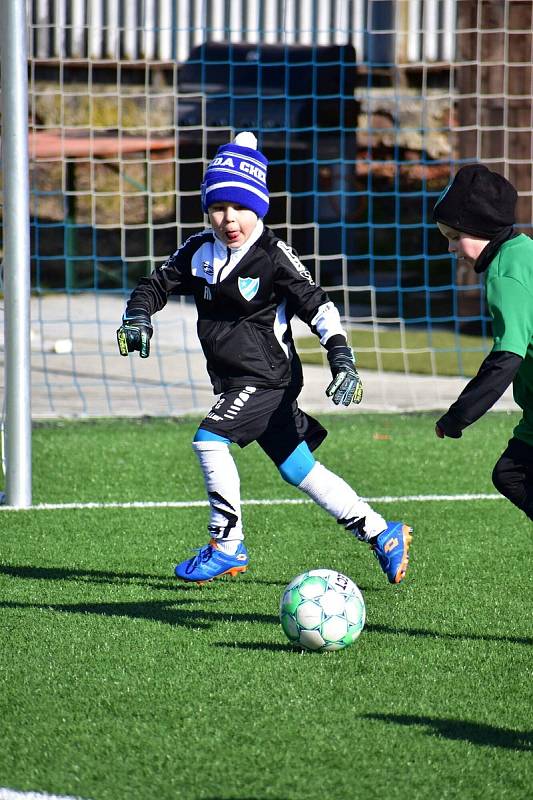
(322, 610)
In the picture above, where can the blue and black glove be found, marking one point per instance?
(135, 334)
(346, 386)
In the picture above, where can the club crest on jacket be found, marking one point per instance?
(248, 287)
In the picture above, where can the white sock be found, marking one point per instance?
(223, 488)
(228, 546)
(336, 497)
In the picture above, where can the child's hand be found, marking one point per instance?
(447, 426)
(346, 386)
(135, 334)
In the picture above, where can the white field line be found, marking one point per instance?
(11, 794)
(406, 498)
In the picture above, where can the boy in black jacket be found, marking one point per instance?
(247, 285)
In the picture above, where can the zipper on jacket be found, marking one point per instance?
(224, 265)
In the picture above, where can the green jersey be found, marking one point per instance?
(509, 288)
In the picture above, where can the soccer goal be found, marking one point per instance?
(365, 108)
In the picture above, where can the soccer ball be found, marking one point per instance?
(322, 610)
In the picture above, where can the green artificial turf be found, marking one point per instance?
(117, 682)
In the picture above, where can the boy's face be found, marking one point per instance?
(232, 223)
(464, 246)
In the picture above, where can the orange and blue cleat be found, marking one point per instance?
(210, 562)
(391, 548)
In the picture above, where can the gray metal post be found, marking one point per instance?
(16, 224)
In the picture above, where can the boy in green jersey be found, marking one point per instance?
(476, 213)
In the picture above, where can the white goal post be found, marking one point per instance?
(16, 252)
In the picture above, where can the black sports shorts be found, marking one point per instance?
(270, 417)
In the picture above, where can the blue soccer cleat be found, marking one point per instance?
(391, 548)
(210, 562)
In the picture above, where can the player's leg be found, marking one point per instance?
(225, 552)
(223, 488)
(331, 493)
(390, 541)
(513, 475)
(236, 418)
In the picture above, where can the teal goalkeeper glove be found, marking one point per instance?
(135, 334)
(346, 386)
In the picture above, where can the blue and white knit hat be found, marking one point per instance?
(237, 174)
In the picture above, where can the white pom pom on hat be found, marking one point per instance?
(246, 139)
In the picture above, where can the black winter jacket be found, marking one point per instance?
(245, 301)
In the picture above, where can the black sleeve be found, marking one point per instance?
(337, 340)
(172, 277)
(494, 376)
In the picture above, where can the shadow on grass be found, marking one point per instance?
(249, 577)
(457, 729)
(383, 629)
(473, 637)
(165, 611)
(170, 613)
(30, 572)
(258, 646)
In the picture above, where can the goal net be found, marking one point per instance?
(364, 108)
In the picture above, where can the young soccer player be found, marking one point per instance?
(476, 213)
(247, 285)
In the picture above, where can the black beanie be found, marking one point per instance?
(477, 201)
